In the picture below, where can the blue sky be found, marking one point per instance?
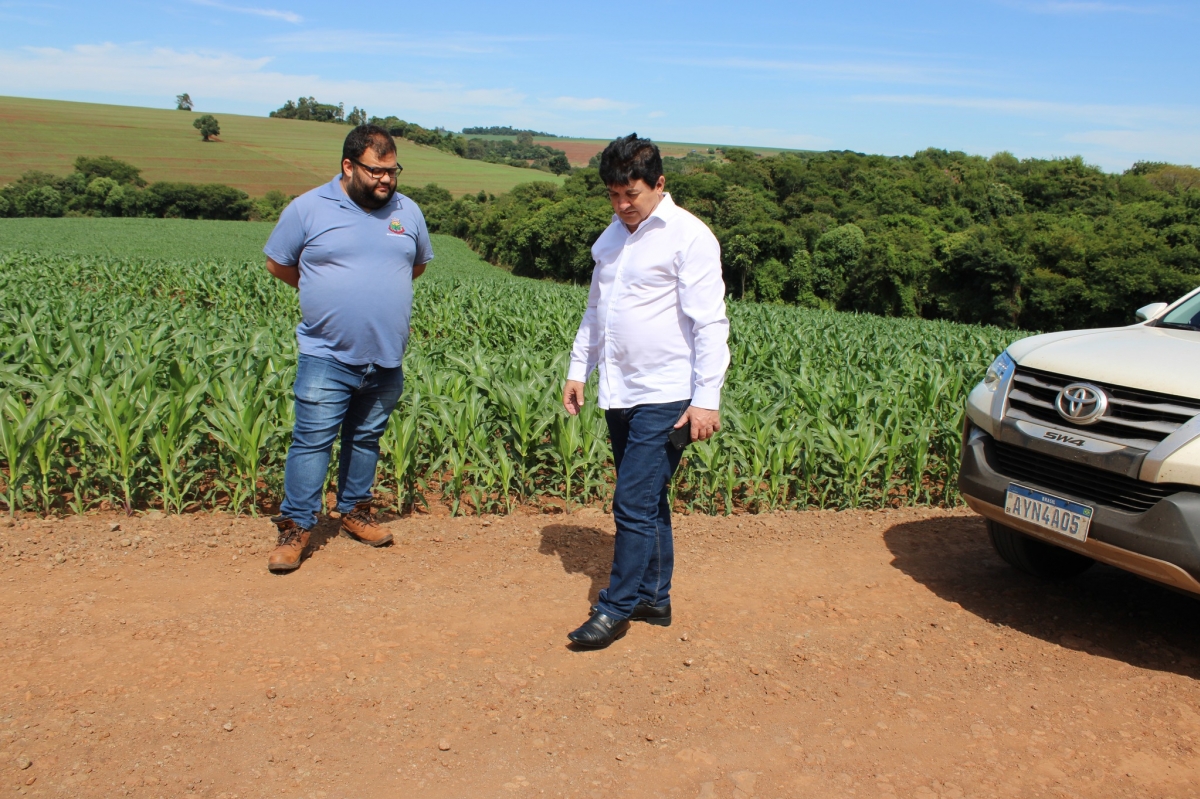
(1115, 82)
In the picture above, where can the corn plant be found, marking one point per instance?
(120, 413)
(20, 431)
(167, 382)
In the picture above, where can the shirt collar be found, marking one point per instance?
(663, 212)
(333, 189)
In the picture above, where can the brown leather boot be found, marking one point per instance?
(361, 524)
(293, 540)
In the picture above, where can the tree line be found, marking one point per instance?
(309, 110)
(105, 186)
(1030, 243)
(505, 130)
(522, 153)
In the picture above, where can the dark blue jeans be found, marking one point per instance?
(644, 555)
(332, 397)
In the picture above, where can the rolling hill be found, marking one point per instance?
(255, 154)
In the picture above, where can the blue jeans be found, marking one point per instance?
(332, 397)
(644, 554)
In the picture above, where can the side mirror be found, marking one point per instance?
(1148, 312)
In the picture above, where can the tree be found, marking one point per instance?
(208, 126)
(44, 201)
(559, 164)
(183, 102)
(307, 108)
(836, 254)
(356, 117)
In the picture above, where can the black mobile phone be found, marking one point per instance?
(680, 437)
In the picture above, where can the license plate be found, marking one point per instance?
(1053, 513)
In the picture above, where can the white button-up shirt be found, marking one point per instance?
(655, 323)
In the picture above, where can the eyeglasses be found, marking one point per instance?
(377, 172)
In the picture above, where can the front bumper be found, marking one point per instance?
(1162, 544)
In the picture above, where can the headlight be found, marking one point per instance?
(1000, 369)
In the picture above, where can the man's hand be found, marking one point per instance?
(288, 274)
(573, 397)
(704, 422)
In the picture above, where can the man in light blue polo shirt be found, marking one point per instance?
(352, 247)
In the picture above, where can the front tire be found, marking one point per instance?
(1035, 557)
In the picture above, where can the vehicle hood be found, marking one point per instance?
(1147, 358)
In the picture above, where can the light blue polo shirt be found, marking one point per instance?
(355, 273)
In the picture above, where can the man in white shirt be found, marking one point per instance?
(655, 327)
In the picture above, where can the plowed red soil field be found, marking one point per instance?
(812, 655)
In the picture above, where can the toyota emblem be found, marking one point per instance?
(1081, 403)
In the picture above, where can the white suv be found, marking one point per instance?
(1085, 445)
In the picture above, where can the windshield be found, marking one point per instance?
(1186, 316)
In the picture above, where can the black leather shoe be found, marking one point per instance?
(599, 631)
(659, 616)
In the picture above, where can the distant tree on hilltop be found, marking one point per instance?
(183, 102)
(208, 126)
(307, 108)
(498, 130)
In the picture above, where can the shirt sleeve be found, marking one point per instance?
(584, 355)
(424, 245)
(288, 238)
(702, 300)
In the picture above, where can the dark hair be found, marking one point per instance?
(626, 159)
(364, 136)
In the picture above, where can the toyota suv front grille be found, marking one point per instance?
(1134, 418)
(1079, 480)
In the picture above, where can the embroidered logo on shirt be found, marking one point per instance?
(395, 228)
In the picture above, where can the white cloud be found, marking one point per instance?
(1175, 146)
(1109, 135)
(352, 41)
(213, 78)
(1131, 115)
(1069, 7)
(656, 114)
(885, 72)
(270, 13)
(588, 104)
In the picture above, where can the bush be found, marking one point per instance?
(104, 186)
(105, 166)
(197, 201)
(268, 207)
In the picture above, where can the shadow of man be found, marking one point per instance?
(1105, 611)
(582, 550)
(325, 530)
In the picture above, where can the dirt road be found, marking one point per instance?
(816, 654)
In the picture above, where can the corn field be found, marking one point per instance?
(145, 383)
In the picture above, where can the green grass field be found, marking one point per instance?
(186, 239)
(255, 154)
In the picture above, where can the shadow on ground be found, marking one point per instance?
(1105, 611)
(325, 530)
(582, 550)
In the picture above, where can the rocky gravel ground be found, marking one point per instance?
(812, 654)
